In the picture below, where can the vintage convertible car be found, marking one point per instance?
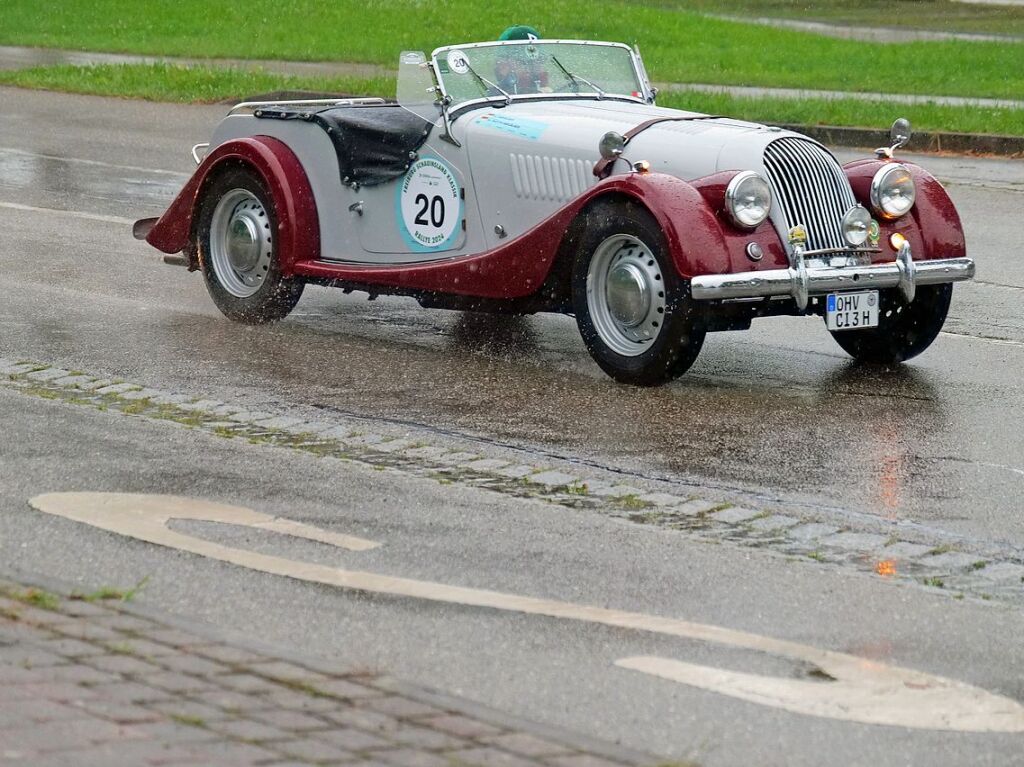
(538, 175)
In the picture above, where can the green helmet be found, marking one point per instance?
(520, 32)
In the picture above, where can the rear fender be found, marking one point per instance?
(298, 227)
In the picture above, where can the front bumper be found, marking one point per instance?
(800, 281)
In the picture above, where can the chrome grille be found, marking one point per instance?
(811, 188)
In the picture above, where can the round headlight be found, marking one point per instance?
(892, 191)
(856, 225)
(748, 199)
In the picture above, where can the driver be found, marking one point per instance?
(518, 68)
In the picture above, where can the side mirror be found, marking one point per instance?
(900, 133)
(611, 145)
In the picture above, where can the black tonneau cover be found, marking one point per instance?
(374, 143)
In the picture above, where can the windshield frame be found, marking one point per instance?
(452, 111)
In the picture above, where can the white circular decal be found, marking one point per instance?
(458, 62)
(431, 203)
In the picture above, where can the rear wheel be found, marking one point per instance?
(237, 232)
(904, 329)
(633, 311)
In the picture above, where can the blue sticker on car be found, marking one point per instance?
(831, 303)
(520, 127)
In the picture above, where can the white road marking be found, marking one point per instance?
(71, 213)
(99, 163)
(862, 691)
(983, 339)
(871, 694)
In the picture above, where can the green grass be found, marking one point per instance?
(188, 720)
(852, 113)
(160, 82)
(679, 46)
(165, 82)
(110, 593)
(39, 598)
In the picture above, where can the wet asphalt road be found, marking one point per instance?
(779, 411)
(550, 671)
(776, 412)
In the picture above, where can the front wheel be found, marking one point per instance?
(633, 310)
(904, 329)
(237, 232)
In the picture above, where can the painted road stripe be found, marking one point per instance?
(850, 688)
(982, 339)
(72, 213)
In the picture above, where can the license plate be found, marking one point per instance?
(852, 311)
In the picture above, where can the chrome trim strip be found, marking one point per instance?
(646, 98)
(847, 251)
(822, 280)
(466, 106)
(254, 105)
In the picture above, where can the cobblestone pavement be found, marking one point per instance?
(907, 552)
(93, 681)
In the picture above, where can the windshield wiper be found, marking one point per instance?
(485, 84)
(577, 78)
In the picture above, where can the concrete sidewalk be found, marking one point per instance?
(890, 35)
(92, 682)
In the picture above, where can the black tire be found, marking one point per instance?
(904, 330)
(675, 327)
(274, 295)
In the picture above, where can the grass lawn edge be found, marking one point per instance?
(937, 128)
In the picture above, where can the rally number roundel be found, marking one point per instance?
(430, 202)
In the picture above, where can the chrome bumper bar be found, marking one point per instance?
(801, 281)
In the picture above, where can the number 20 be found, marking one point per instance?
(436, 207)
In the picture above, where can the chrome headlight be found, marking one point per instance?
(748, 199)
(856, 225)
(892, 190)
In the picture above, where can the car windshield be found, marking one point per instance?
(514, 68)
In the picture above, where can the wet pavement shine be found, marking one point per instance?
(777, 411)
(776, 414)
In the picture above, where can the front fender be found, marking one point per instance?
(933, 226)
(298, 226)
(700, 237)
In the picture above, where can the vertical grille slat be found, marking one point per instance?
(819, 193)
(812, 189)
(833, 186)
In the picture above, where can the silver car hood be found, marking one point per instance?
(686, 149)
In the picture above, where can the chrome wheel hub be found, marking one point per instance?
(241, 244)
(625, 294)
(629, 297)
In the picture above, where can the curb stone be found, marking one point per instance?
(921, 141)
(961, 566)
